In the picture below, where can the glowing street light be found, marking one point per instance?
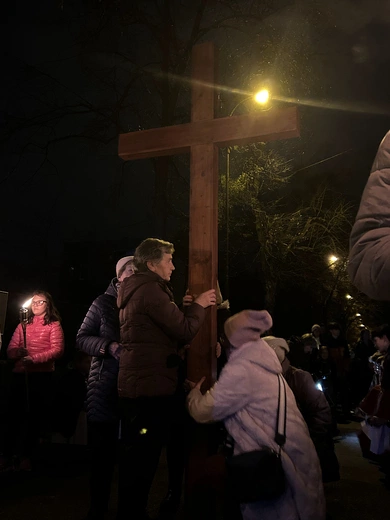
(262, 97)
(348, 296)
(358, 314)
(332, 259)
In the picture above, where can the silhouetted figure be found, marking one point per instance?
(314, 407)
(69, 396)
(99, 337)
(360, 372)
(340, 356)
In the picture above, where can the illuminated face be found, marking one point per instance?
(335, 333)
(382, 344)
(164, 267)
(39, 305)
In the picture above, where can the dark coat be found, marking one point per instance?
(339, 354)
(317, 414)
(151, 326)
(384, 406)
(99, 329)
(385, 383)
(311, 401)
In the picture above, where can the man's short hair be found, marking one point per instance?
(307, 339)
(334, 326)
(384, 330)
(151, 250)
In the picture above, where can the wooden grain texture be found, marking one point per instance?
(276, 124)
(203, 233)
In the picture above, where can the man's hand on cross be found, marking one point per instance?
(207, 298)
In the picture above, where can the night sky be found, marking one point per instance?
(70, 207)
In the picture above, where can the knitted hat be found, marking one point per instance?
(279, 345)
(121, 262)
(246, 326)
(315, 326)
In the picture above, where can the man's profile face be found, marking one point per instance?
(382, 344)
(164, 267)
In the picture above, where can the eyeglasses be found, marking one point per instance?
(38, 303)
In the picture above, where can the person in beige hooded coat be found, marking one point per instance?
(369, 256)
(245, 398)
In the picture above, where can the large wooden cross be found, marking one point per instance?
(201, 138)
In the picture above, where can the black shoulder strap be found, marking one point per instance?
(281, 419)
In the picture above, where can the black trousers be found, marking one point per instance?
(145, 428)
(28, 416)
(103, 442)
(178, 445)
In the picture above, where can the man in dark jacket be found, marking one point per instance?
(99, 337)
(151, 328)
(339, 354)
(313, 406)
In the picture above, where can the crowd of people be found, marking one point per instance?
(132, 344)
(131, 377)
(137, 391)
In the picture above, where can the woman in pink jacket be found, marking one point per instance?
(32, 376)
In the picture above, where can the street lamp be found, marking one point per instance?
(332, 259)
(261, 97)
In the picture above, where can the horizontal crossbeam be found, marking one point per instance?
(275, 124)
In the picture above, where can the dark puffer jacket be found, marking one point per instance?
(310, 400)
(99, 329)
(151, 326)
(318, 416)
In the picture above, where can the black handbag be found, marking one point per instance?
(259, 475)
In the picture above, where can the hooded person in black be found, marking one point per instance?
(98, 337)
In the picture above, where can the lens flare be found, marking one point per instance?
(262, 97)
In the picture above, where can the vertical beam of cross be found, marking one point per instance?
(203, 238)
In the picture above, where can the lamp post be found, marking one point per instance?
(262, 97)
(23, 318)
